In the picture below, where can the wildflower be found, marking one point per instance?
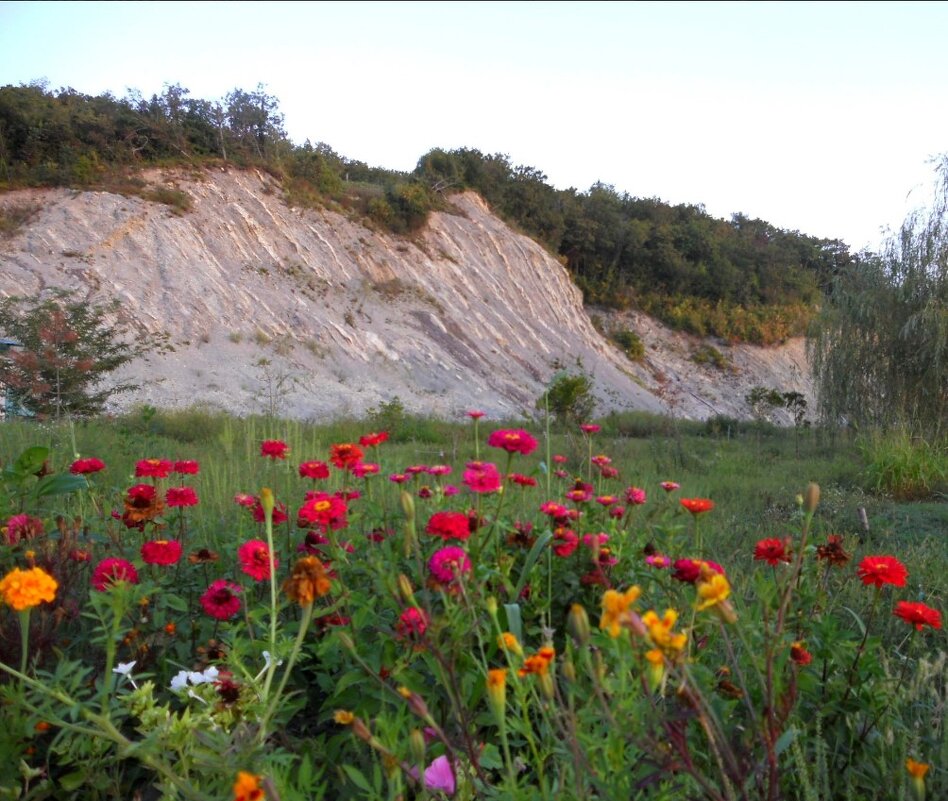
(657, 560)
(187, 467)
(278, 512)
(578, 622)
(171, 628)
(314, 469)
(482, 477)
(497, 689)
(513, 441)
(799, 654)
(345, 455)
(247, 787)
(448, 564)
(879, 570)
(669, 486)
(601, 460)
(161, 552)
(399, 478)
(538, 663)
(307, 581)
(917, 771)
(616, 609)
(220, 600)
(565, 541)
(590, 428)
(475, 414)
(553, 509)
(243, 499)
(833, 551)
(439, 775)
(579, 495)
(125, 669)
(142, 504)
(607, 471)
(374, 439)
(510, 642)
(771, 551)
(254, 558)
(697, 505)
(558, 458)
(522, 535)
(713, 591)
(274, 449)
(635, 496)
(449, 526)
(181, 496)
(424, 492)
(112, 570)
(688, 570)
(84, 467)
(343, 717)
(521, 480)
(918, 614)
(661, 634)
(153, 468)
(439, 470)
(412, 623)
(202, 556)
(365, 469)
(656, 667)
(23, 527)
(24, 589)
(324, 511)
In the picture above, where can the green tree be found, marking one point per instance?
(879, 348)
(570, 398)
(67, 350)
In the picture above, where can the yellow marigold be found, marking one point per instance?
(307, 580)
(538, 663)
(712, 591)
(510, 642)
(24, 589)
(660, 631)
(497, 689)
(247, 787)
(917, 770)
(343, 717)
(615, 609)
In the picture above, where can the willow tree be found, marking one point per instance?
(879, 347)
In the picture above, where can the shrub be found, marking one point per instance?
(708, 354)
(631, 344)
(905, 467)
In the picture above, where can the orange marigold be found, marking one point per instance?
(307, 581)
(247, 787)
(24, 589)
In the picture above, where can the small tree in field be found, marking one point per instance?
(68, 348)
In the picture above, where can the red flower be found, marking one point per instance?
(243, 499)
(187, 467)
(566, 541)
(590, 428)
(799, 654)
(161, 552)
(475, 414)
(697, 505)
(153, 468)
(374, 439)
(879, 570)
(521, 480)
(412, 623)
(220, 600)
(482, 477)
(345, 455)
(274, 448)
(82, 467)
(513, 441)
(314, 469)
(181, 496)
(688, 570)
(833, 552)
(279, 512)
(449, 526)
(111, 570)
(365, 469)
(23, 527)
(918, 614)
(255, 560)
(323, 510)
(771, 551)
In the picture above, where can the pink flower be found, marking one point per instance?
(374, 439)
(274, 449)
(482, 477)
(607, 471)
(475, 414)
(324, 511)
(220, 600)
(243, 499)
(181, 496)
(439, 470)
(448, 564)
(112, 570)
(449, 490)
(399, 478)
(412, 623)
(513, 440)
(559, 459)
(553, 509)
(688, 570)
(669, 486)
(23, 527)
(82, 467)
(565, 542)
(187, 467)
(521, 480)
(635, 496)
(254, 560)
(365, 469)
(439, 775)
(590, 428)
(659, 561)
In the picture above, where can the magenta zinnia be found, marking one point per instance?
(513, 440)
(161, 552)
(482, 477)
(254, 560)
(112, 570)
(220, 600)
(322, 510)
(153, 468)
(187, 467)
(274, 449)
(82, 467)
(181, 496)
(448, 564)
(314, 469)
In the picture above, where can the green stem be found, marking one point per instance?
(297, 645)
(24, 637)
(271, 668)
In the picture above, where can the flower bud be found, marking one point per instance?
(578, 623)
(812, 498)
(267, 502)
(408, 505)
(569, 670)
(491, 604)
(405, 589)
(416, 746)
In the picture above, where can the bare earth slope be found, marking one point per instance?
(467, 315)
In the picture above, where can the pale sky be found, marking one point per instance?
(817, 117)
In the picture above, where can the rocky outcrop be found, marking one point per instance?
(312, 314)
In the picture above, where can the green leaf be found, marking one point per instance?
(31, 460)
(356, 777)
(541, 543)
(59, 484)
(783, 742)
(175, 602)
(514, 621)
(73, 781)
(862, 626)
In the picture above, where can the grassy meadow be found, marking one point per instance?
(517, 626)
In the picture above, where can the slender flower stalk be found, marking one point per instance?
(268, 503)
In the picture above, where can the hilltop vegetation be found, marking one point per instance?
(743, 279)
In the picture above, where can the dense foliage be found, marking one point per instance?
(880, 346)
(742, 279)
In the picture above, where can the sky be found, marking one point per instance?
(817, 117)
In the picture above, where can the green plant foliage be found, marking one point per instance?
(569, 398)
(905, 467)
(631, 344)
(708, 354)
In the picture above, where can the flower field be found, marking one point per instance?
(265, 610)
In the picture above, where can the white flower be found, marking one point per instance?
(180, 681)
(267, 659)
(125, 669)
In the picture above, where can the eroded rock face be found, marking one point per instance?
(312, 315)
